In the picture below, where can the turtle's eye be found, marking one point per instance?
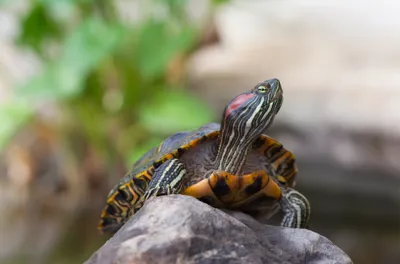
(262, 89)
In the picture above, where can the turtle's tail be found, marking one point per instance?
(122, 203)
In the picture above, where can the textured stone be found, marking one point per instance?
(181, 229)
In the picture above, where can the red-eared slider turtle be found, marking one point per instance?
(232, 165)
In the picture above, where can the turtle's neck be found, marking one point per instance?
(233, 149)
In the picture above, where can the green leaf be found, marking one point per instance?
(84, 49)
(158, 43)
(172, 111)
(12, 115)
(37, 27)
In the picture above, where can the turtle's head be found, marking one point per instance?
(244, 119)
(250, 113)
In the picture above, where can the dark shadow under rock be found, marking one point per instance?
(181, 229)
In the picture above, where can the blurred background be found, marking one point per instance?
(88, 86)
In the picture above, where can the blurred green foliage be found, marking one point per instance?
(109, 78)
(109, 85)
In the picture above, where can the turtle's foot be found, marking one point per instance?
(296, 209)
(161, 190)
(167, 179)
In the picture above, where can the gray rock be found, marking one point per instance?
(181, 229)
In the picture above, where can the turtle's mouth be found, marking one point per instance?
(278, 95)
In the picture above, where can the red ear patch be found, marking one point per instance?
(238, 101)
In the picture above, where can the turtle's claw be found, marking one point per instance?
(151, 193)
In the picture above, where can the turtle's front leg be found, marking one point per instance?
(296, 209)
(167, 179)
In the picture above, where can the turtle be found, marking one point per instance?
(230, 165)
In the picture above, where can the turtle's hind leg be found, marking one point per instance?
(121, 205)
(167, 179)
(296, 209)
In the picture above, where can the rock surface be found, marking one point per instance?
(181, 229)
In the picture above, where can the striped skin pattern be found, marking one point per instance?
(296, 209)
(245, 122)
(167, 179)
(244, 119)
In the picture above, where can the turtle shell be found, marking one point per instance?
(197, 150)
